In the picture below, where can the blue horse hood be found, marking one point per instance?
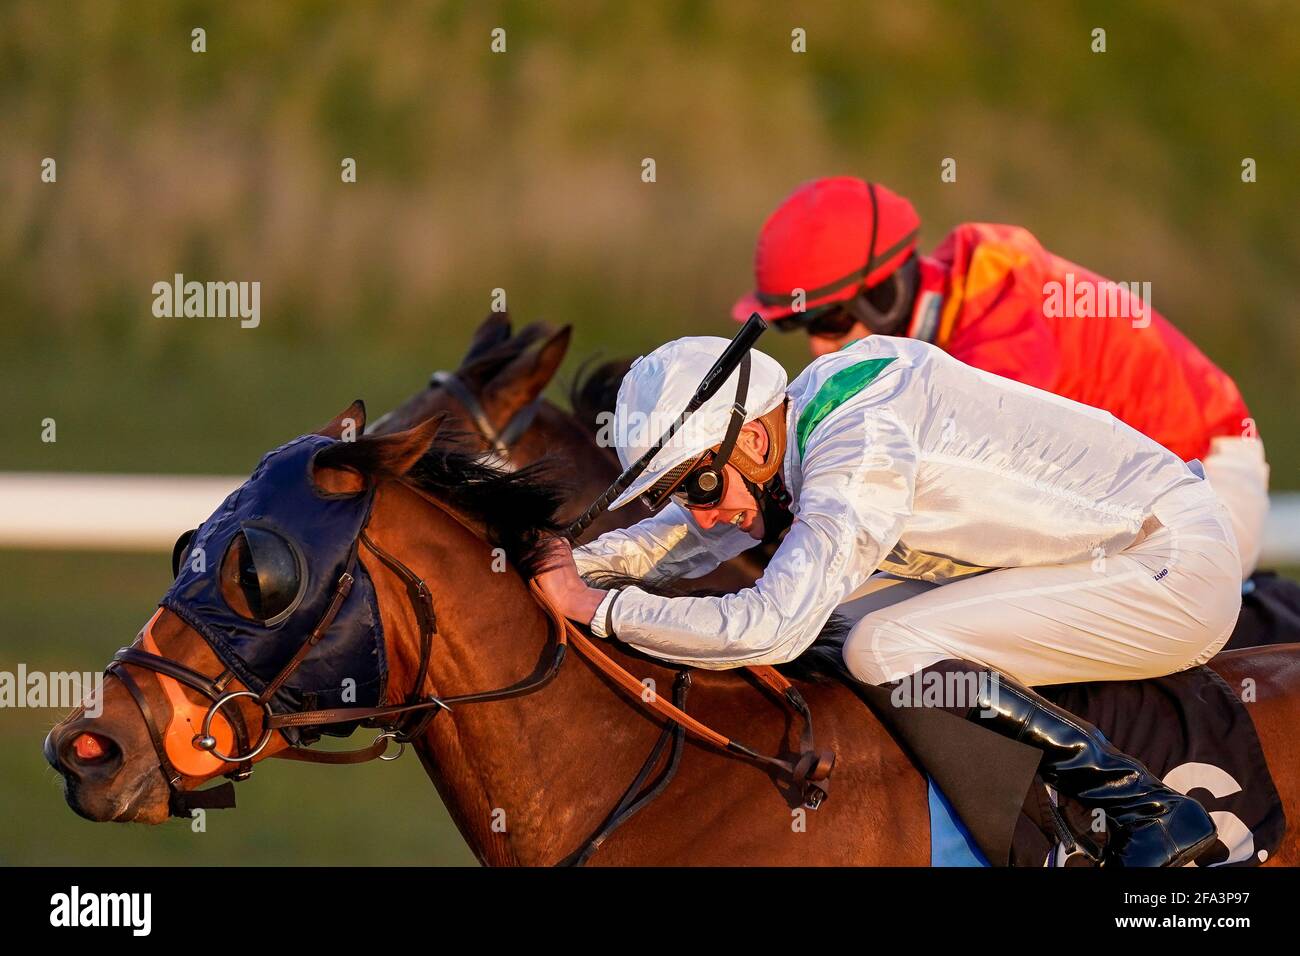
(348, 667)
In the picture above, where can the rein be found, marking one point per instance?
(177, 746)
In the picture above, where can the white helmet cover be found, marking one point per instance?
(657, 389)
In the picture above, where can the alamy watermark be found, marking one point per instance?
(1098, 299)
(63, 690)
(215, 300)
(949, 690)
(75, 908)
(638, 429)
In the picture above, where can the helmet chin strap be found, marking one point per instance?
(771, 497)
(738, 414)
(763, 478)
(773, 503)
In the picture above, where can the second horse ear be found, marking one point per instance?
(347, 425)
(527, 375)
(491, 332)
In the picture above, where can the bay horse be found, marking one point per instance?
(529, 778)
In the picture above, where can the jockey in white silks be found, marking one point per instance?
(965, 522)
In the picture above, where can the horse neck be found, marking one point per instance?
(504, 769)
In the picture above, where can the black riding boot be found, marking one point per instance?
(1151, 824)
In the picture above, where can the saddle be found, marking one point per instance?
(1190, 729)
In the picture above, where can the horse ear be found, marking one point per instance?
(527, 375)
(347, 425)
(346, 467)
(397, 454)
(491, 332)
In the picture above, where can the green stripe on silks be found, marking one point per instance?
(835, 391)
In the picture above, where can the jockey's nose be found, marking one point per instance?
(705, 519)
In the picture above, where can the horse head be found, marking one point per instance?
(494, 395)
(304, 604)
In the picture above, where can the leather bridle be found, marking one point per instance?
(499, 441)
(406, 722)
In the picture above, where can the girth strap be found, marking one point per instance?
(638, 795)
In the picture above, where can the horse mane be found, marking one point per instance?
(595, 390)
(517, 509)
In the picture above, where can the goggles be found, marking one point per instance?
(699, 483)
(836, 319)
(826, 321)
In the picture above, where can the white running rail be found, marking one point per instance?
(96, 512)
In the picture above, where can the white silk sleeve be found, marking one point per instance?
(856, 494)
(665, 546)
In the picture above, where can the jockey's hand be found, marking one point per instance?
(562, 584)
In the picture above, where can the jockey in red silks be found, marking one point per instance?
(838, 259)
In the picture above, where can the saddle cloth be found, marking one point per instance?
(1194, 733)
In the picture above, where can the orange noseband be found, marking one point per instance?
(186, 722)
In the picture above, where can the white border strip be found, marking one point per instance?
(96, 512)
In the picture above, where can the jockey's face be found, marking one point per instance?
(825, 345)
(737, 507)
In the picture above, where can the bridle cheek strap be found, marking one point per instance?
(500, 441)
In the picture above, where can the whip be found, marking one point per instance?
(736, 350)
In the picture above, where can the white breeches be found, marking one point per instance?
(1167, 602)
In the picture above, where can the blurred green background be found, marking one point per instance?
(522, 171)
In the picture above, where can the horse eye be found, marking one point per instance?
(266, 570)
